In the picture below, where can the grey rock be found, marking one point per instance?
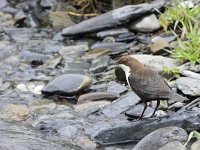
(86, 109)
(126, 37)
(116, 88)
(176, 145)
(136, 111)
(100, 64)
(116, 48)
(146, 24)
(136, 130)
(161, 137)
(159, 45)
(96, 96)
(111, 32)
(143, 39)
(60, 20)
(113, 18)
(3, 3)
(195, 145)
(85, 143)
(157, 63)
(31, 56)
(69, 84)
(21, 35)
(68, 132)
(121, 105)
(20, 15)
(32, 22)
(189, 86)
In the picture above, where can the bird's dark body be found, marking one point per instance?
(147, 83)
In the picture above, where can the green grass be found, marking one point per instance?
(184, 21)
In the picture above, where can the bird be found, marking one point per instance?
(147, 83)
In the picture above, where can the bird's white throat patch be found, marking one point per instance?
(127, 71)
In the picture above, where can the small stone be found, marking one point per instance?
(17, 112)
(121, 105)
(88, 108)
(136, 111)
(69, 84)
(126, 37)
(116, 88)
(116, 48)
(195, 145)
(94, 54)
(60, 20)
(174, 145)
(20, 16)
(42, 106)
(161, 137)
(159, 46)
(111, 32)
(189, 86)
(99, 64)
(68, 132)
(6, 20)
(96, 96)
(85, 143)
(146, 24)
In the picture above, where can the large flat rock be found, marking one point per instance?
(112, 18)
(136, 130)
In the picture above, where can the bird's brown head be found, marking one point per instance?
(130, 62)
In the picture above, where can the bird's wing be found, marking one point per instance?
(152, 85)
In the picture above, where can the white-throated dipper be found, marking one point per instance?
(147, 83)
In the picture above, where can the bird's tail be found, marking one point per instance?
(175, 97)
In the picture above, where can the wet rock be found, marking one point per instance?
(68, 132)
(143, 39)
(161, 137)
(4, 85)
(60, 20)
(116, 88)
(136, 111)
(195, 145)
(33, 58)
(112, 32)
(42, 106)
(90, 107)
(113, 18)
(176, 145)
(85, 143)
(122, 104)
(126, 37)
(94, 54)
(136, 130)
(6, 20)
(99, 87)
(157, 62)
(21, 35)
(116, 48)
(96, 96)
(189, 86)
(68, 84)
(100, 64)
(20, 16)
(146, 24)
(30, 87)
(17, 112)
(3, 4)
(159, 45)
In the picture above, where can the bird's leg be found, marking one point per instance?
(145, 107)
(158, 103)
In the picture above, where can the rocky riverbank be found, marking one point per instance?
(61, 87)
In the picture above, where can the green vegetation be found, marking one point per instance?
(184, 21)
(193, 134)
(175, 72)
